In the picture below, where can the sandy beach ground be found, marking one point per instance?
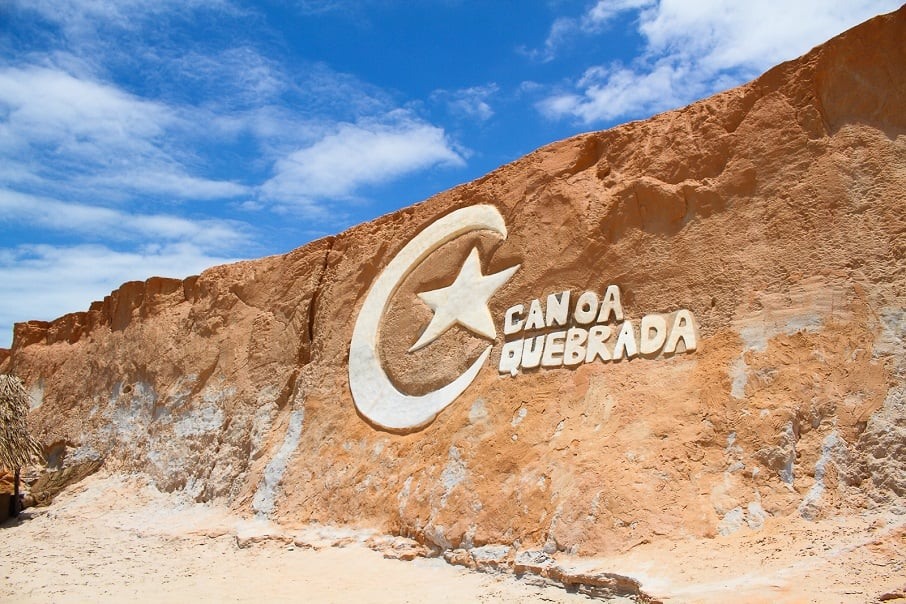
(114, 538)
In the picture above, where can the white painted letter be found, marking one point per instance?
(512, 321)
(510, 356)
(683, 328)
(611, 305)
(531, 352)
(535, 316)
(653, 333)
(586, 308)
(625, 342)
(553, 349)
(557, 309)
(574, 353)
(597, 335)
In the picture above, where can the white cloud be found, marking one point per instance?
(44, 105)
(697, 47)
(61, 128)
(109, 224)
(368, 152)
(470, 103)
(721, 34)
(237, 75)
(608, 94)
(605, 11)
(566, 29)
(316, 7)
(173, 183)
(43, 282)
(562, 29)
(79, 18)
(74, 133)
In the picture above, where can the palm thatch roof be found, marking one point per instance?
(17, 447)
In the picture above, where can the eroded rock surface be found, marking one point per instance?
(774, 212)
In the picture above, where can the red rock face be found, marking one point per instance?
(775, 213)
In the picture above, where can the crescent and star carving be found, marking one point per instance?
(464, 302)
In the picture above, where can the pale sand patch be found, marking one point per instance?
(849, 559)
(114, 538)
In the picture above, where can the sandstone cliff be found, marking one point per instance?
(774, 212)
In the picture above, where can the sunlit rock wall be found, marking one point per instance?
(775, 213)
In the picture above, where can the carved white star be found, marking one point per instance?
(464, 302)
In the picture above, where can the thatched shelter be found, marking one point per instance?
(17, 447)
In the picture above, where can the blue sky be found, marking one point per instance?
(160, 138)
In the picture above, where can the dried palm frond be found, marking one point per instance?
(17, 447)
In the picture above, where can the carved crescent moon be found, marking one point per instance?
(375, 396)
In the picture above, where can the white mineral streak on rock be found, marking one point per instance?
(199, 421)
(519, 416)
(36, 395)
(478, 412)
(453, 474)
(732, 521)
(755, 515)
(403, 497)
(179, 393)
(206, 416)
(265, 497)
(805, 308)
(811, 503)
(262, 422)
(788, 444)
(740, 378)
(130, 411)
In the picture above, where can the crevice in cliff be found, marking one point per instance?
(305, 351)
(289, 388)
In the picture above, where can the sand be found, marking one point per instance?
(115, 538)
